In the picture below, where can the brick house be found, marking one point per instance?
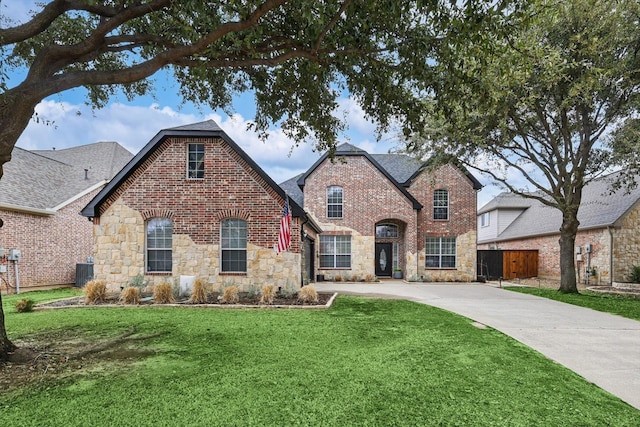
(192, 203)
(385, 212)
(41, 193)
(608, 238)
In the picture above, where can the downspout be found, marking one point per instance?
(610, 256)
(301, 252)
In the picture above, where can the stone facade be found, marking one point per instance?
(159, 188)
(626, 250)
(370, 199)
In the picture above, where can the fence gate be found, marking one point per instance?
(507, 264)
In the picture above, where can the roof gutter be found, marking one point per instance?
(28, 209)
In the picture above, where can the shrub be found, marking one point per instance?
(163, 293)
(199, 294)
(130, 295)
(24, 305)
(634, 275)
(268, 294)
(370, 278)
(308, 294)
(138, 282)
(337, 278)
(230, 295)
(95, 291)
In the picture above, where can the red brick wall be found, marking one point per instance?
(549, 253)
(230, 188)
(50, 245)
(368, 196)
(462, 203)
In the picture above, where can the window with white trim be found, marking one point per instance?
(159, 245)
(334, 202)
(195, 161)
(233, 244)
(440, 252)
(441, 204)
(335, 251)
(484, 219)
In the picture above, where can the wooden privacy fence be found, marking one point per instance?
(507, 264)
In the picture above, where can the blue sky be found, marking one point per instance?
(133, 124)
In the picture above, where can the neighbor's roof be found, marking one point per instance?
(207, 128)
(43, 181)
(599, 208)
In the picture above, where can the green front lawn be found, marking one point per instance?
(362, 362)
(625, 306)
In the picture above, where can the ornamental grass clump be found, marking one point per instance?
(308, 294)
(24, 305)
(268, 294)
(199, 293)
(230, 295)
(130, 295)
(163, 293)
(95, 291)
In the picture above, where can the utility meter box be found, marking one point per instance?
(14, 254)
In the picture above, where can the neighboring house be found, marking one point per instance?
(41, 194)
(192, 203)
(382, 212)
(608, 239)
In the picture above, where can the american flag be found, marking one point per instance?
(284, 238)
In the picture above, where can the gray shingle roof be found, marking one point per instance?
(44, 179)
(599, 208)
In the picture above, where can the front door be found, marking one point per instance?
(384, 259)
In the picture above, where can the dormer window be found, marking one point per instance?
(195, 161)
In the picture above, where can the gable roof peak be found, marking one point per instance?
(207, 125)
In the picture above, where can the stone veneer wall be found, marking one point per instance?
(465, 270)
(120, 256)
(626, 250)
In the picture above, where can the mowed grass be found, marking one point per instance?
(362, 362)
(622, 305)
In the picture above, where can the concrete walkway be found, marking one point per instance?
(601, 347)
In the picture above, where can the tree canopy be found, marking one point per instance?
(545, 103)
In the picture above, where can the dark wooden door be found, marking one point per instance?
(384, 259)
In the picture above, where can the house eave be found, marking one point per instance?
(28, 209)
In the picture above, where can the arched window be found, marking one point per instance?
(441, 204)
(386, 231)
(159, 245)
(334, 202)
(233, 244)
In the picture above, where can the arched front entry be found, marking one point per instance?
(389, 247)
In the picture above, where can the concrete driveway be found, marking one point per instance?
(601, 347)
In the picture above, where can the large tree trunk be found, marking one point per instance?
(6, 346)
(15, 112)
(568, 232)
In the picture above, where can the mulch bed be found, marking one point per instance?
(213, 300)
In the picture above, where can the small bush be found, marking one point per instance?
(370, 278)
(130, 295)
(230, 295)
(138, 282)
(199, 294)
(268, 294)
(163, 293)
(337, 278)
(308, 294)
(24, 305)
(95, 291)
(634, 275)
